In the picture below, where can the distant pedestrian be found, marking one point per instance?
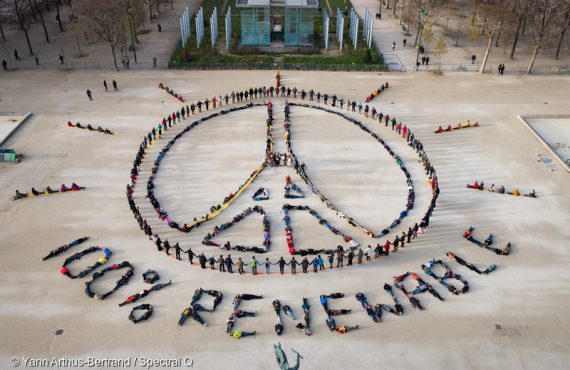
(61, 59)
(105, 85)
(159, 27)
(393, 45)
(423, 60)
(427, 60)
(154, 62)
(115, 85)
(473, 57)
(16, 55)
(417, 65)
(404, 42)
(88, 92)
(4, 64)
(128, 62)
(37, 61)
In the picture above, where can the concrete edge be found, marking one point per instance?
(26, 116)
(540, 139)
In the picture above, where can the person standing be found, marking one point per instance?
(4, 64)
(473, 57)
(331, 260)
(37, 61)
(404, 42)
(60, 59)
(293, 264)
(321, 262)
(159, 27)
(393, 45)
(202, 260)
(115, 87)
(222, 263)
(16, 55)
(190, 254)
(89, 95)
(253, 264)
(229, 264)
(305, 265)
(240, 265)
(282, 264)
(154, 62)
(177, 250)
(427, 60)
(105, 85)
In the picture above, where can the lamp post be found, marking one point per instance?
(129, 14)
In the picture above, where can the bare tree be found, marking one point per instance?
(22, 12)
(540, 20)
(2, 31)
(424, 10)
(38, 7)
(563, 23)
(105, 19)
(492, 17)
(519, 12)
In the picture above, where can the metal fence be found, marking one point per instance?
(277, 66)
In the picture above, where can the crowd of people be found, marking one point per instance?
(195, 307)
(77, 256)
(124, 280)
(90, 128)
(501, 189)
(292, 191)
(56, 252)
(421, 288)
(171, 92)
(248, 211)
(48, 190)
(448, 274)
(457, 127)
(289, 230)
(377, 92)
(300, 168)
(468, 234)
(410, 139)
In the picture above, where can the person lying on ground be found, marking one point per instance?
(288, 311)
(242, 313)
(230, 324)
(471, 266)
(238, 334)
(336, 312)
(331, 323)
(19, 195)
(344, 328)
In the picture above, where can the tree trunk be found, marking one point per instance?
(560, 41)
(533, 59)
(402, 13)
(114, 58)
(78, 46)
(44, 26)
(516, 40)
(394, 10)
(2, 32)
(157, 6)
(497, 40)
(172, 5)
(32, 10)
(524, 26)
(58, 15)
(28, 41)
(150, 10)
(484, 63)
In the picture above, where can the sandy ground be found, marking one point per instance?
(513, 318)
